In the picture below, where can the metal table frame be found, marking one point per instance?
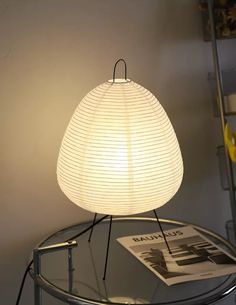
(41, 283)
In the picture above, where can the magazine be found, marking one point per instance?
(192, 257)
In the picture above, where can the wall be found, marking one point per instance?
(51, 54)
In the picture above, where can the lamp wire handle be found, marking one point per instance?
(114, 70)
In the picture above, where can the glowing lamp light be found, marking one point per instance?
(119, 154)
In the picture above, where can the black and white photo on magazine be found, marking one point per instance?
(192, 257)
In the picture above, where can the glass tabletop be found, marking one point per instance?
(78, 276)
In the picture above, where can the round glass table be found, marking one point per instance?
(75, 274)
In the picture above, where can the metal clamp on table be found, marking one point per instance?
(38, 252)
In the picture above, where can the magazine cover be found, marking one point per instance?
(193, 256)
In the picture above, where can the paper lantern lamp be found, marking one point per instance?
(119, 154)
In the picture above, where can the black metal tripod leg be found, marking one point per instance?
(108, 244)
(91, 231)
(162, 232)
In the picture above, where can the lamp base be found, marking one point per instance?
(109, 237)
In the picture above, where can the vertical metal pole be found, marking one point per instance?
(37, 289)
(107, 253)
(162, 232)
(37, 264)
(222, 109)
(70, 271)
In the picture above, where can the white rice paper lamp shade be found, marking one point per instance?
(119, 154)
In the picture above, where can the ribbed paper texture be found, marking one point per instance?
(119, 154)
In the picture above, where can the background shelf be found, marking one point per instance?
(222, 168)
(229, 91)
(225, 19)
